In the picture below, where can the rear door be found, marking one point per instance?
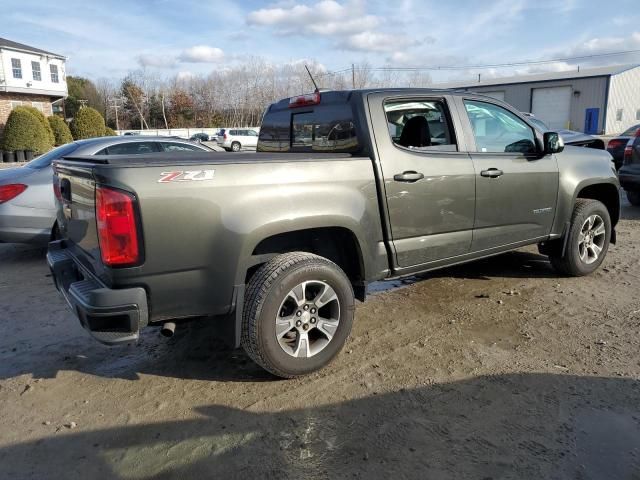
(428, 178)
(516, 192)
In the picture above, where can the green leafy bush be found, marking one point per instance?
(50, 138)
(23, 131)
(88, 123)
(109, 132)
(61, 131)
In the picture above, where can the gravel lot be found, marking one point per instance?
(493, 370)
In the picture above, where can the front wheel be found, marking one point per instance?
(235, 146)
(588, 242)
(297, 315)
(634, 198)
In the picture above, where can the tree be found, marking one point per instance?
(87, 123)
(80, 88)
(23, 131)
(50, 139)
(60, 129)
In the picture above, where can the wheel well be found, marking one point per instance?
(338, 244)
(608, 195)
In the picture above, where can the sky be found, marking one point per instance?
(109, 38)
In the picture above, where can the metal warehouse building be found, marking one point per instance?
(604, 100)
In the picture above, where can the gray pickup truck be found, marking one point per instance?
(347, 187)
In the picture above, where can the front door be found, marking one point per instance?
(591, 121)
(516, 192)
(429, 183)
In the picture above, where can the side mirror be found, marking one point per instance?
(553, 143)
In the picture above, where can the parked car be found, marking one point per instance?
(199, 137)
(629, 173)
(236, 139)
(616, 146)
(276, 245)
(569, 137)
(27, 206)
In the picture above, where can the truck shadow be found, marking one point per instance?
(524, 426)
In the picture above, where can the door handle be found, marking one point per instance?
(408, 176)
(491, 173)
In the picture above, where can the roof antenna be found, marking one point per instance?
(311, 77)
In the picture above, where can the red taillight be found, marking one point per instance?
(117, 229)
(638, 132)
(56, 189)
(8, 192)
(615, 143)
(225, 136)
(628, 150)
(304, 100)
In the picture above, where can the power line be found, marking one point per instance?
(492, 65)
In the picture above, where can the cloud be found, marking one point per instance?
(201, 54)
(157, 61)
(376, 42)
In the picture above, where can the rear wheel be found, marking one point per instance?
(634, 198)
(588, 241)
(297, 314)
(235, 146)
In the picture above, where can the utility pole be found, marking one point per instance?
(115, 105)
(353, 76)
(83, 103)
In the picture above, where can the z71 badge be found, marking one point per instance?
(186, 176)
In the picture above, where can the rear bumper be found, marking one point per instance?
(111, 316)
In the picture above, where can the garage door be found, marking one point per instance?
(553, 106)
(496, 95)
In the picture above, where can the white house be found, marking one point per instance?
(30, 76)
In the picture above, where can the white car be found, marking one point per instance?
(235, 139)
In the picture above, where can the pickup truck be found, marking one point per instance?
(347, 188)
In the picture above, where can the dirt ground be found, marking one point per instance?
(493, 370)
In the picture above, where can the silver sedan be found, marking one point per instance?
(27, 206)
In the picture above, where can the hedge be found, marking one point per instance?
(109, 132)
(50, 138)
(23, 131)
(60, 129)
(88, 123)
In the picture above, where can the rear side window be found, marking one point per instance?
(179, 147)
(233, 132)
(322, 133)
(130, 148)
(497, 130)
(422, 125)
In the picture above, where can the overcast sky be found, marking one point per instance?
(108, 38)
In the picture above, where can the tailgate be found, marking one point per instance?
(76, 214)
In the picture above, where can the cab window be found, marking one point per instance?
(497, 130)
(129, 148)
(421, 125)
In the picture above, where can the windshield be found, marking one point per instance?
(631, 132)
(45, 160)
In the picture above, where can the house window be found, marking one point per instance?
(54, 73)
(638, 115)
(16, 67)
(35, 68)
(15, 103)
(619, 113)
(38, 106)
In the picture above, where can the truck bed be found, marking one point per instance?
(188, 158)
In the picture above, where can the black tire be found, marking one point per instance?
(55, 232)
(265, 294)
(634, 198)
(236, 147)
(570, 263)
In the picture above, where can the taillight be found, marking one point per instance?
(615, 143)
(304, 100)
(8, 192)
(638, 132)
(56, 189)
(628, 150)
(225, 136)
(117, 228)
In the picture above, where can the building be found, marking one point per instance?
(30, 76)
(604, 100)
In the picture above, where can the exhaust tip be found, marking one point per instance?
(168, 329)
